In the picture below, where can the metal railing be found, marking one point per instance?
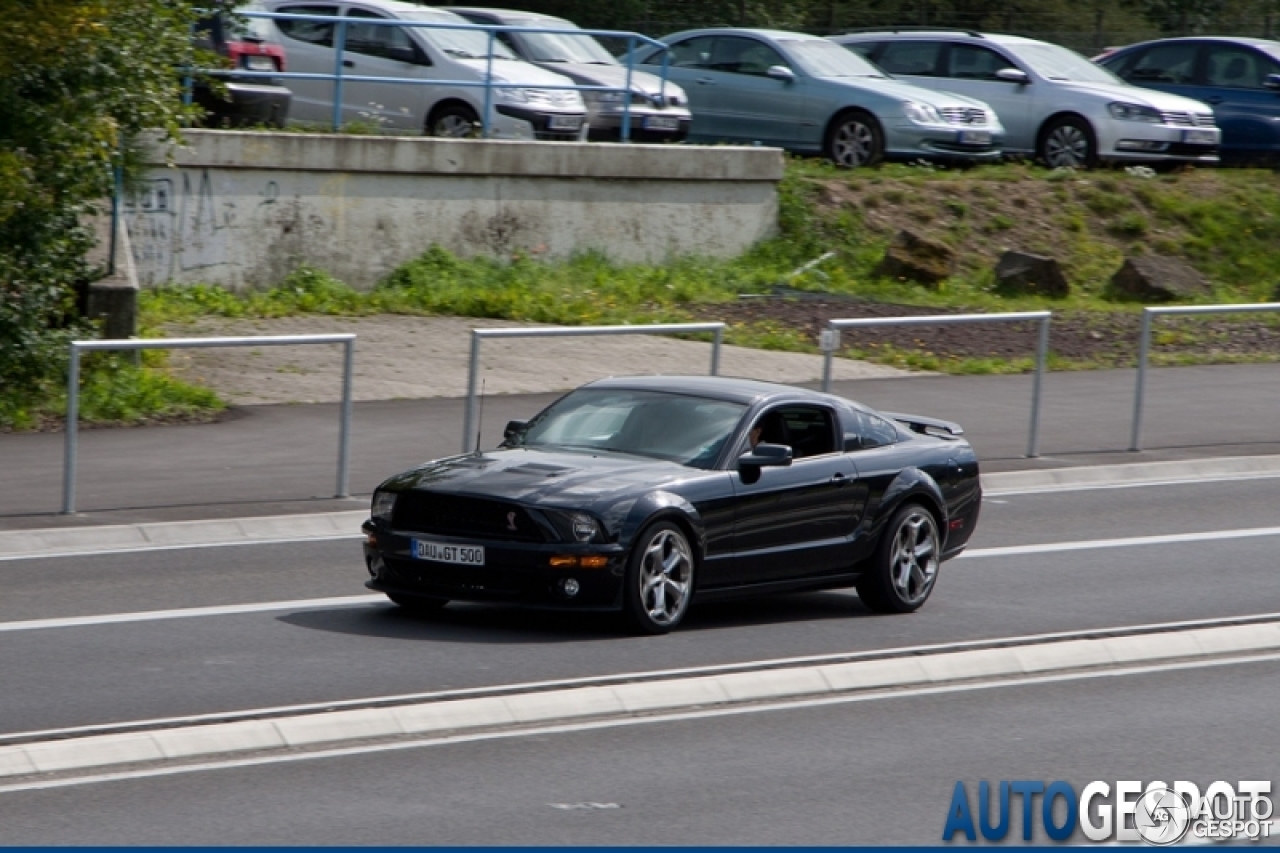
(488, 84)
(477, 335)
(1144, 349)
(830, 342)
(73, 391)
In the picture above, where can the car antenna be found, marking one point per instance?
(480, 419)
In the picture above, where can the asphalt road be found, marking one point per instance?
(876, 771)
(75, 675)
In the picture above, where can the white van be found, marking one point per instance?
(522, 106)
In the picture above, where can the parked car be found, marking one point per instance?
(248, 44)
(522, 106)
(643, 494)
(1238, 77)
(1053, 103)
(805, 94)
(657, 114)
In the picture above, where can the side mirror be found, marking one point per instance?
(409, 54)
(1272, 82)
(781, 72)
(513, 429)
(766, 456)
(1013, 75)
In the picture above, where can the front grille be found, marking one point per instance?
(471, 581)
(458, 515)
(555, 97)
(1184, 119)
(964, 115)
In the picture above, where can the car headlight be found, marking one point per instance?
(384, 503)
(1134, 112)
(513, 94)
(576, 526)
(922, 113)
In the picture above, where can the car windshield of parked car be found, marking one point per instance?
(673, 427)
(1058, 63)
(563, 47)
(821, 58)
(460, 44)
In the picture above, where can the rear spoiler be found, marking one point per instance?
(927, 426)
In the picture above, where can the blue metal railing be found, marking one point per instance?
(338, 77)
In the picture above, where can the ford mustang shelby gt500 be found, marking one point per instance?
(643, 494)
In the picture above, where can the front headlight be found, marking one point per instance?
(576, 526)
(384, 503)
(513, 94)
(922, 113)
(1134, 112)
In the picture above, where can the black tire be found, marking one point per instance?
(455, 121)
(904, 569)
(854, 139)
(417, 603)
(658, 584)
(1068, 142)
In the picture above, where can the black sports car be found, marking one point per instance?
(641, 494)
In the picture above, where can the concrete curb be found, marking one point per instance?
(453, 716)
(1129, 474)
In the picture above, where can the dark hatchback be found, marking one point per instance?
(1238, 77)
(244, 44)
(644, 494)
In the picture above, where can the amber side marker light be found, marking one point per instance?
(573, 561)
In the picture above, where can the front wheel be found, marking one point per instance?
(456, 121)
(1069, 142)
(659, 579)
(905, 566)
(855, 139)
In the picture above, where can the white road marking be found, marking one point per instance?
(1130, 542)
(189, 612)
(146, 549)
(679, 716)
(1142, 484)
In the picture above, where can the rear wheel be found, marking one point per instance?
(855, 139)
(417, 603)
(659, 580)
(455, 121)
(905, 566)
(1069, 142)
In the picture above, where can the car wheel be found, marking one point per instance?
(659, 580)
(905, 566)
(417, 603)
(855, 139)
(1069, 142)
(456, 121)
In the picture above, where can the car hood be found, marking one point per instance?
(1162, 101)
(904, 91)
(516, 72)
(528, 475)
(608, 75)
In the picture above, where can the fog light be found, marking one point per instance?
(570, 586)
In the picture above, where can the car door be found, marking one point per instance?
(970, 70)
(309, 47)
(1238, 84)
(379, 50)
(797, 521)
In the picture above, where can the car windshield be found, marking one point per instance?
(563, 47)
(673, 427)
(462, 44)
(1059, 63)
(822, 58)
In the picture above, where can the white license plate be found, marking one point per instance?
(565, 123)
(660, 123)
(975, 137)
(1200, 137)
(259, 63)
(467, 555)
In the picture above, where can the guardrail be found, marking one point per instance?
(488, 84)
(73, 391)
(477, 335)
(830, 342)
(1144, 349)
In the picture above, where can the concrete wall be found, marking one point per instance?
(243, 209)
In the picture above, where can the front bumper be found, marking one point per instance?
(946, 142)
(516, 572)
(1143, 142)
(244, 104)
(647, 125)
(549, 125)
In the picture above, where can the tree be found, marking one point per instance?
(79, 79)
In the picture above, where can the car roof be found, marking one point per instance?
(395, 7)
(737, 390)
(1251, 41)
(777, 35)
(994, 38)
(504, 16)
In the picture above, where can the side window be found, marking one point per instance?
(1237, 68)
(911, 57)
(690, 53)
(970, 62)
(379, 39)
(865, 49)
(312, 32)
(1164, 63)
(738, 55)
(807, 430)
(868, 431)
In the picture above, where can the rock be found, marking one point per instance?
(1151, 278)
(914, 258)
(1021, 273)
